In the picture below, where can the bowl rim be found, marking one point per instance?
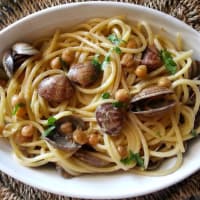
(77, 4)
(39, 13)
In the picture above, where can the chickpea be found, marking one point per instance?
(122, 95)
(127, 60)
(141, 71)
(122, 151)
(131, 44)
(21, 139)
(93, 139)
(28, 131)
(67, 56)
(21, 112)
(164, 82)
(66, 128)
(55, 63)
(17, 99)
(80, 137)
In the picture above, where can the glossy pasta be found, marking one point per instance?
(144, 141)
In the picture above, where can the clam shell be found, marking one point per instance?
(8, 63)
(14, 57)
(194, 70)
(156, 111)
(90, 159)
(62, 141)
(24, 49)
(3, 74)
(150, 93)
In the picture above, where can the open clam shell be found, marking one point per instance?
(14, 57)
(62, 141)
(24, 49)
(194, 70)
(8, 64)
(152, 101)
(194, 73)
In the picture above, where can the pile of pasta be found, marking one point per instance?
(116, 48)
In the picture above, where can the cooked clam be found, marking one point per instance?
(64, 141)
(56, 88)
(63, 172)
(109, 118)
(90, 159)
(152, 101)
(24, 49)
(194, 70)
(14, 57)
(3, 75)
(151, 58)
(8, 64)
(83, 74)
(194, 73)
(154, 165)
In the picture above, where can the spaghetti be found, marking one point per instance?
(86, 102)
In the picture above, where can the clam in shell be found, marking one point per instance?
(62, 141)
(152, 101)
(14, 57)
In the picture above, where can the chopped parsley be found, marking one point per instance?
(133, 157)
(118, 104)
(96, 63)
(16, 108)
(169, 63)
(49, 131)
(194, 133)
(114, 39)
(117, 50)
(105, 95)
(51, 121)
(107, 58)
(51, 126)
(64, 64)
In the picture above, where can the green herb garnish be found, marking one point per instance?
(114, 39)
(170, 65)
(51, 126)
(117, 50)
(49, 131)
(51, 121)
(118, 104)
(133, 157)
(107, 58)
(105, 95)
(16, 108)
(194, 133)
(64, 65)
(96, 63)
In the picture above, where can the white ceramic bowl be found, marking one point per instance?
(120, 185)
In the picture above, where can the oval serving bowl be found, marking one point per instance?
(118, 185)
